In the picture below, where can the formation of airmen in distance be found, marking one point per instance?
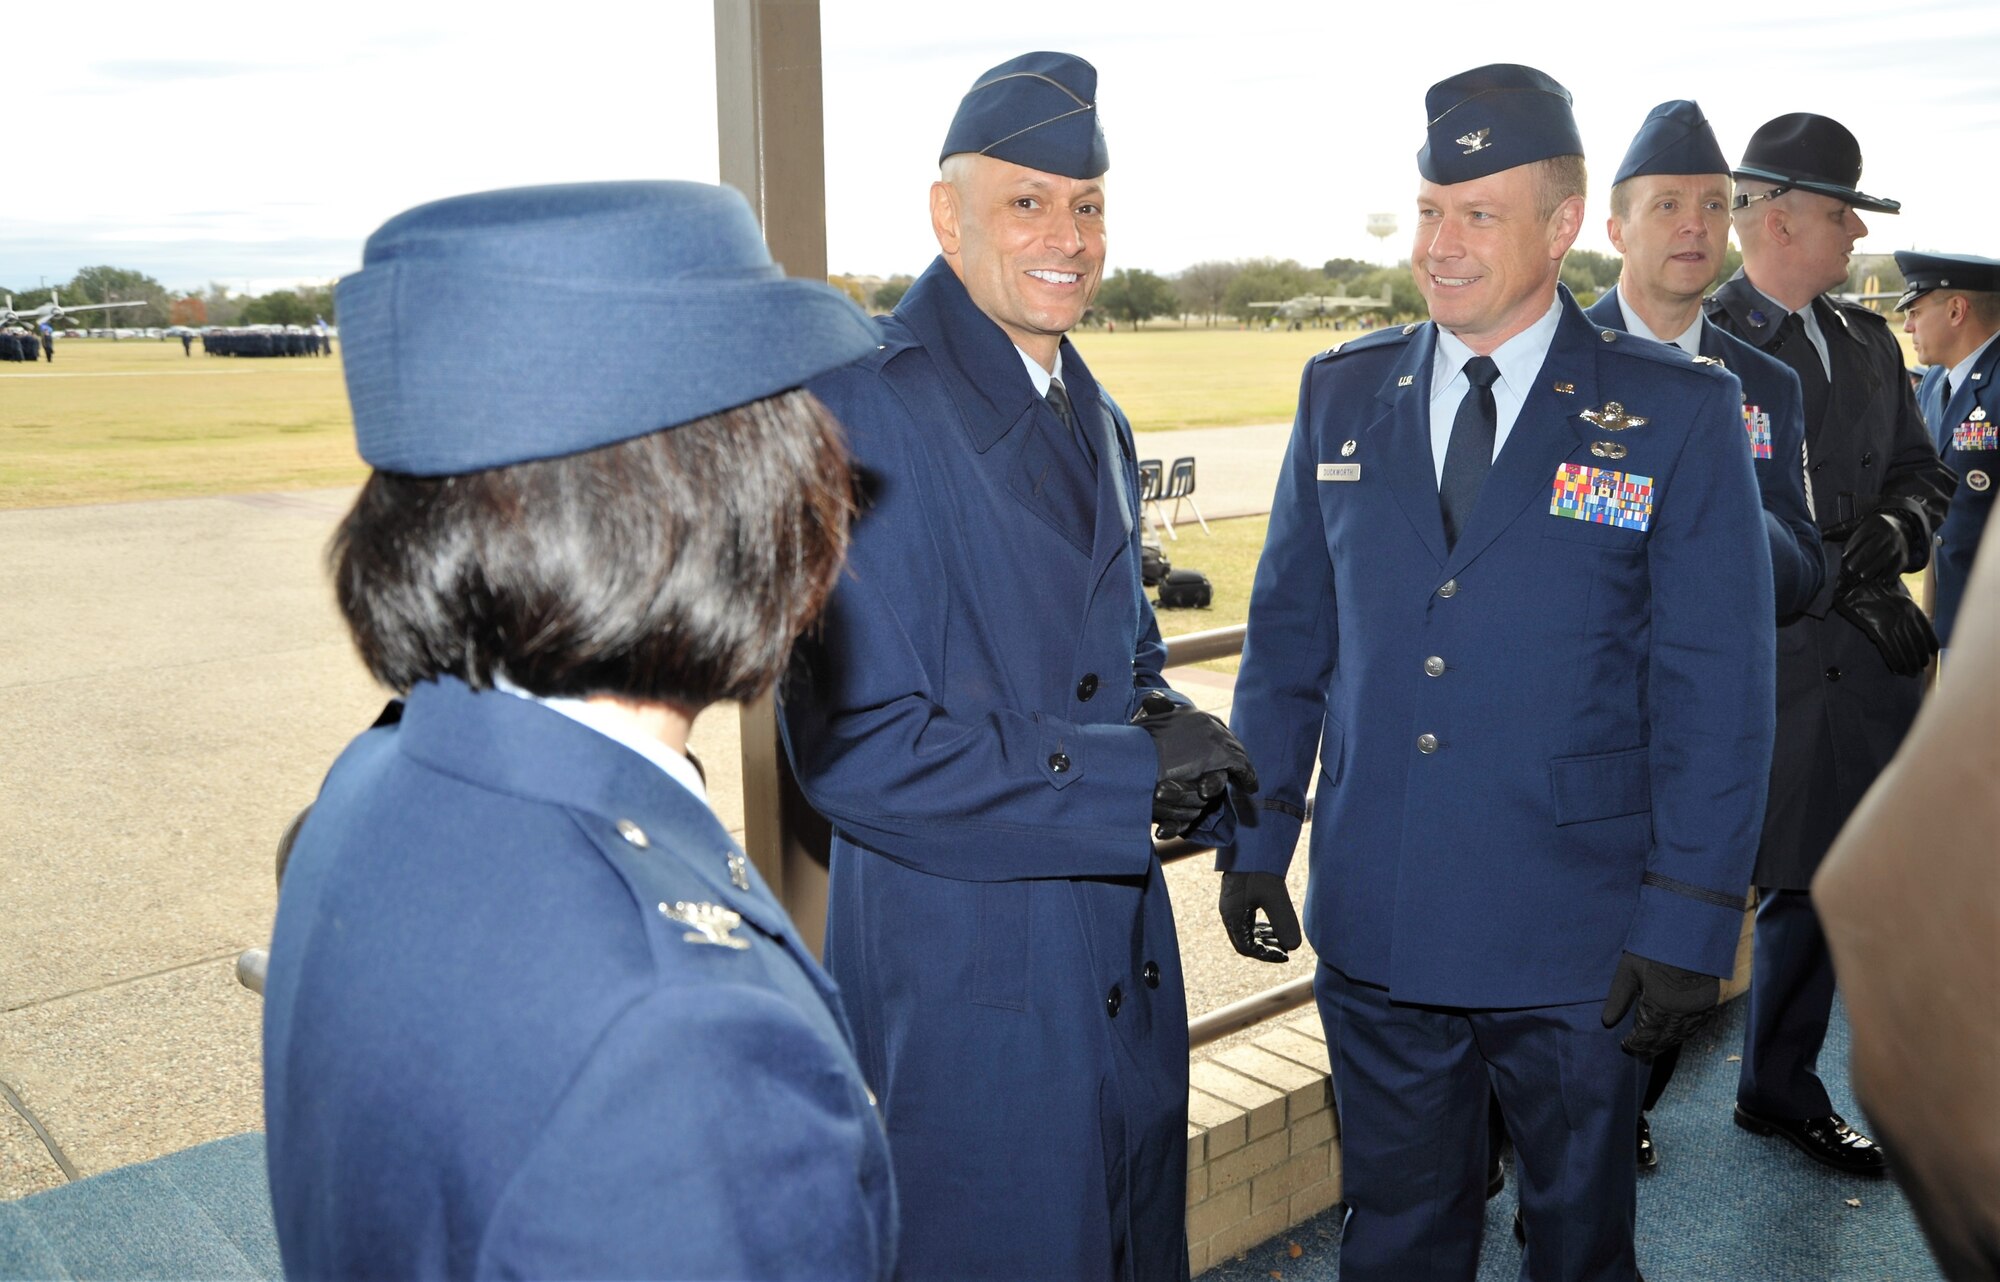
(267, 340)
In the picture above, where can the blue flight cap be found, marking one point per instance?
(1676, 139)
(1493, 118)
(1923, 273)
(507, 326)
(1812, 153)
(1038, 110)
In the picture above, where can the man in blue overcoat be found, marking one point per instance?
(1951, 311)
(1670, 220)
(1514, 625)
(997, 921)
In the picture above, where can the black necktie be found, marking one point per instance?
(1795, 349)
(1470, 453)
(1059, 402)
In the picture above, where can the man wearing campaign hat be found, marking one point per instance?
(1951, 311)
(1849, 666)
(530, 1011)
(1483, 630)
(997, 919)
(1670, 220)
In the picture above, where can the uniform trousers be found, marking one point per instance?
(1791, 1000)
(1411, 1085)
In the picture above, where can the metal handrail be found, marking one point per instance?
(1200, 647)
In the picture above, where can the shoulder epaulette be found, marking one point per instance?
(1393, 336)
(1659, 353)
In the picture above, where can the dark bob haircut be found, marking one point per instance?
(673, 567)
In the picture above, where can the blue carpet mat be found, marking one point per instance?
(204, 1212)
(1724, 1205)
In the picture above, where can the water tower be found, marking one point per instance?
(1381, 227)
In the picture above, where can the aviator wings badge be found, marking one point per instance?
(1613, 418)
(711, 922)
(1474, 141)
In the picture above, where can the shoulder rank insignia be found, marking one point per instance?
(1602, 497)
(1474, 141)
(1709, 360)
(711, 922)
(1613, 418)
(1757, 422)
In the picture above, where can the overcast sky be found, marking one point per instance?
(258, 144)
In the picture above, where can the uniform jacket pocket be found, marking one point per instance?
(1600, 785)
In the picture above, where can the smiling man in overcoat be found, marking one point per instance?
(985, 724)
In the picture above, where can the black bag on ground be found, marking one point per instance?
(1185, 589)
(1153, 564)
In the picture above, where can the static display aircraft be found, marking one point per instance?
(54, 310)
(1314, 306)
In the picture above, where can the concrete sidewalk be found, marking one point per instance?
(174, 682)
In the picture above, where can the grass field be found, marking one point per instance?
(112, 422)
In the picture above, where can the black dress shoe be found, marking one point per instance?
(1649, 1157)
(1828, 1140)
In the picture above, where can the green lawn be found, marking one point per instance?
(116, 421)
(1229, 558)
(1168, 378)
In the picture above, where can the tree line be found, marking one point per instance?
(215, 305)
(1210, 292)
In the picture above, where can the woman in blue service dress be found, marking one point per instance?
(530, 1012)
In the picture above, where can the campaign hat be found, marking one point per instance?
(1812, 153)
(1037, 110)
(1493, 118)
(534, 322)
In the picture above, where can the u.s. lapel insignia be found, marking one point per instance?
(1613, 418)
(1607, 449)
(1474, 141)
(1347, 449)
(711, 923)
(1406, 380)
(1567, 389)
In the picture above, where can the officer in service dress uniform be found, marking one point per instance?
(1670, 220)
(1951, 311)
(1848, 668)
(997, 918)
(1502, 546)
(530, 1011)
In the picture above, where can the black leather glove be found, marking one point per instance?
(1878, 547)
(1244, 895)
(1198, 759)
(1674, 1004)
(1889, 619)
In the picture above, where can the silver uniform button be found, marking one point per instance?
(1434, 666)
(633, 833)
(1449, 588)
(1427, 743)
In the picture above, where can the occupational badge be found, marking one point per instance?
(711, 923)
(1603, 497)
(1978, 480)
(1974, 434)
(1607, 449)
(1613, 418)
(1347, 449)
(1978, 412)
(1567, 389)
(1757, 422)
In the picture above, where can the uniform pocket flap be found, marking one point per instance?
(1600, 785)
